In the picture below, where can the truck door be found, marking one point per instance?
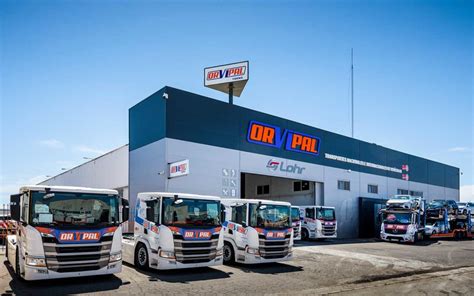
(237, 225)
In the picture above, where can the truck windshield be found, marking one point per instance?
(295, 214)
(191, 212)
(325, 214)
(67, 209)
(397, 218)
(269, 216)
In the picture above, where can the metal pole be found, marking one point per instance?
(352, 91)
(231, 93)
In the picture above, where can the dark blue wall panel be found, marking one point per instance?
(191, 117)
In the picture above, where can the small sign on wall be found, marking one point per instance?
(179, 168)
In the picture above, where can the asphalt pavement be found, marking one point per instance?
(355, 267)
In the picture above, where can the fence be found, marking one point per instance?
(7, 226)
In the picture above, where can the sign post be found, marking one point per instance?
(230, 79)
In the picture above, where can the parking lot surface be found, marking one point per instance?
(362, 267)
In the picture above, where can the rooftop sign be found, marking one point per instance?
(226, 77)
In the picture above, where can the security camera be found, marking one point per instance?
(165, 96)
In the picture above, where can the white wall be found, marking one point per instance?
(107, 171)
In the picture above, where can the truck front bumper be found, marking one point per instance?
(255, 259)
(164, 263)
(42, 273)
(397, 237)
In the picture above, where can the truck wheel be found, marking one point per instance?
(229, 256)
(141, 257)
(304, 234)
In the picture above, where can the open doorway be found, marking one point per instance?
(297, 192)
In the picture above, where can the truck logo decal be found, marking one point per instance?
(79, 236)
(269, 135)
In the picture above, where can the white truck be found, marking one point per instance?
(66, 232)
(175, 230)
(318, 222)
(403, 219)
(296, 222)
(257, 231)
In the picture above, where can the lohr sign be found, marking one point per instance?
(274, 136)
(179, 168)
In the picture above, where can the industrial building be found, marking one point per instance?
(184, 142)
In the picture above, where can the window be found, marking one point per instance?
(309, 213)
(153, 209)
(263, 189)
(402, 191)
(410, 192)
(373, 189)
(24, 210)
(344, 185)
(239, 214)
(300, 186)
(416, 193)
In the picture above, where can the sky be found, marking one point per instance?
(69, 71)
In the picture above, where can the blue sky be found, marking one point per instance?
(71, 69)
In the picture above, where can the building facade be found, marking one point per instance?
(235, 152)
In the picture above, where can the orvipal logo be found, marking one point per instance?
(274, 165)
(226, 73)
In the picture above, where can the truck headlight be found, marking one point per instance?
(115, 257)
(167, 254)
(219, 252)
(36, 261)
(253, 251)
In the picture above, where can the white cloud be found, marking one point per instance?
(467, 193)
(458, 149)
(52, 143)
(7, 189)
(87, 149)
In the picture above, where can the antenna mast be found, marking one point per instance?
(352, 91)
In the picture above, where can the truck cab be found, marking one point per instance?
(403, 219)
(257, 231)
(66, 232)
(174, 231)
(318, 222)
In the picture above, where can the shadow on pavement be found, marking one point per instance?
(183, 275)
(62, 286)
(268, 268)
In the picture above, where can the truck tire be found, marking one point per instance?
(141, 257)
(304, 234)
(228, 253)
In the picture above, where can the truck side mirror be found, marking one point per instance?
(125, 210)
(15, 207)
(222, 214)
(150, 213)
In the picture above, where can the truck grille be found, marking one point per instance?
(77, 257)
(273, 249)
(329, 230)
(395, 231)
(188, 252)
